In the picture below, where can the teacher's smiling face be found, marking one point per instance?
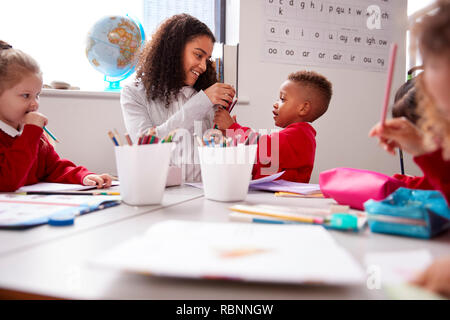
(196, 53)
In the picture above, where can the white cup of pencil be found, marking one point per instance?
(226, 170)
(142, 168)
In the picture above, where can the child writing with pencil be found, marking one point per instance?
(175, 87)
(429, 142)
(26, 156)
(304, 97)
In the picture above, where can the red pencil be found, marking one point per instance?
(232, 106)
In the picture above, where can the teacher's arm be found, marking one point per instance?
(195, 109)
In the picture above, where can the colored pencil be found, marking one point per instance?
(51, 134)
(76, 193)
(127, 137)
(199, 141)
(232, 106)
(116, 134)
(392, 55)
(111, 135)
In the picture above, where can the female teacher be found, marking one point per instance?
(175, 87)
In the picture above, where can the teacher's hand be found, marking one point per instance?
(221, 93)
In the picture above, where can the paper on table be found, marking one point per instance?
(270, 184)
(235, 251)
(49, 187)
(287, 186)
(27, 210)
(252, 182)
(398, 267)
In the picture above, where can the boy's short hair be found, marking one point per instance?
(320, 84)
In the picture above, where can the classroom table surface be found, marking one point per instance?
(52, 262)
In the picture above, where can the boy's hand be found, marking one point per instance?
(223, 119)
(399, 133)
(36, 118)
(101, 181)
(220, 93)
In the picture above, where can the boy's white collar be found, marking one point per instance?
(8, 129)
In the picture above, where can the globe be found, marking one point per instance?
(113, 44)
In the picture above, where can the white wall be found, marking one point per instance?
(342, 133)
(81, 120)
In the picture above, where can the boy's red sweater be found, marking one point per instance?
(297, 148)
(30, 158)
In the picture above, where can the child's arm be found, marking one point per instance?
(100, 180)
(60, 170)
(17, 160)
(223, 119)
(436, 170)
(399, 133)
(291, 150)
(436, 277)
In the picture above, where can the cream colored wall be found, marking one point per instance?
(81, 121)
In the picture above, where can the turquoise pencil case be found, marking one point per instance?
(408, 212)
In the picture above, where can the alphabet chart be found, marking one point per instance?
(352, 34)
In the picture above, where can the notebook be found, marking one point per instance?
(234, 251)
(24, 211)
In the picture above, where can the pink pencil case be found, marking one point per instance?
(353, 187)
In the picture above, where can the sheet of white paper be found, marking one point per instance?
(267, 179)
(252, 182)
(236, 251)
(397, 267)
(49, 186)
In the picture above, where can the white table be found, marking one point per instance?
(54, 262)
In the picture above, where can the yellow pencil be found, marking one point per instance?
(299, 218)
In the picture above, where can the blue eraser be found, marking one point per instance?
(62, 219)
(344, 221)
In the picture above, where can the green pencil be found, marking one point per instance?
(51, 134)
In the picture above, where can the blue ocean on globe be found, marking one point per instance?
(113, 45)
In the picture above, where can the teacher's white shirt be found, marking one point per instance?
(185, 110)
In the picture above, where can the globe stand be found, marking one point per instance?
(112, 84)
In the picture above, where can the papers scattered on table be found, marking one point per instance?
(234, 251)
(270, 184)
(21, 211)
(49, 187)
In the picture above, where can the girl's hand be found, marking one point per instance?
(221, 93)
(223, 119)
(399, 133)
(436, 277)
(101, 181)
(36, 118)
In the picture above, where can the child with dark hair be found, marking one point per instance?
(304, 97)
(175, 85)
(26, 156)
(405, 101)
